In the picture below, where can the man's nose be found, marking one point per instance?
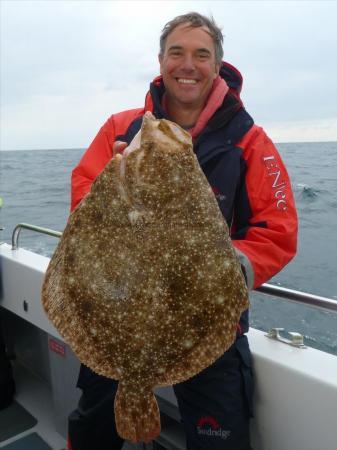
(188, 63)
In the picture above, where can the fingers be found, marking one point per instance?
(118, 147)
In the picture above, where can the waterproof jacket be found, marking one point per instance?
(243, 167)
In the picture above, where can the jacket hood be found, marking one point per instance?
(232, 77)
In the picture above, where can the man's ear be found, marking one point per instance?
(217, 70)
(160, 59)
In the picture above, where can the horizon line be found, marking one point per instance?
(85, 148)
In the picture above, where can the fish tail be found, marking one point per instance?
(136, 413)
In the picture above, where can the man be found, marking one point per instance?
(202, 94)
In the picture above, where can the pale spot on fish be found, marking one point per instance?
(188, 343)
(134, 216)
(219, 300)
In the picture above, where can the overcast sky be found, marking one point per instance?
(66, 66)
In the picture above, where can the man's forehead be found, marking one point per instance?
(178, 34)
(187, 26)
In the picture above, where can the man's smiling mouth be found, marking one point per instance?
(186, 81)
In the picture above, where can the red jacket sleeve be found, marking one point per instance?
(268, 239)
(99, 153)
(92, 163)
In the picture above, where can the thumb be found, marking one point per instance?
(118, 147)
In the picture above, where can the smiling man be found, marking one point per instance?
(201, 93)
(188, 67)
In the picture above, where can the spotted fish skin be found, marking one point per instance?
(144, 284)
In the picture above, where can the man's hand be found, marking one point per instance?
(118, 147)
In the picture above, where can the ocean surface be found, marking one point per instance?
(35, 188)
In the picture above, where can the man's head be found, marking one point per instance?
(195, 20)
(190, 57)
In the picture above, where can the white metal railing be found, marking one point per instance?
(269, 289)
(299, 297)
(27, 226)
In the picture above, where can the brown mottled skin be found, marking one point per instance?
(144, 284)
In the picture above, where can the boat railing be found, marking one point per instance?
(27, 226)
(292, 295)
(299, 297)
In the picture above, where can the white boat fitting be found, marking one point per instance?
(295, 399)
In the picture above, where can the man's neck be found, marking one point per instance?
(183, 116)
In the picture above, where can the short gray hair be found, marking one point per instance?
(196, 20)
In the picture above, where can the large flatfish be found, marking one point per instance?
(144, 284)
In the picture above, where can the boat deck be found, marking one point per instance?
(34, 395)
(30, 420)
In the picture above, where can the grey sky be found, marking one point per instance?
(66, 66)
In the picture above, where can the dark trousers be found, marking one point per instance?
(7, 386)
(215, 406)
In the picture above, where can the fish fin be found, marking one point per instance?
(136, 413)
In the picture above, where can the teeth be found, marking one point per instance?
(186, 81)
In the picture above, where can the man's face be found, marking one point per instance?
(188, 66)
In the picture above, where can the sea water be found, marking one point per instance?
(35, 188)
